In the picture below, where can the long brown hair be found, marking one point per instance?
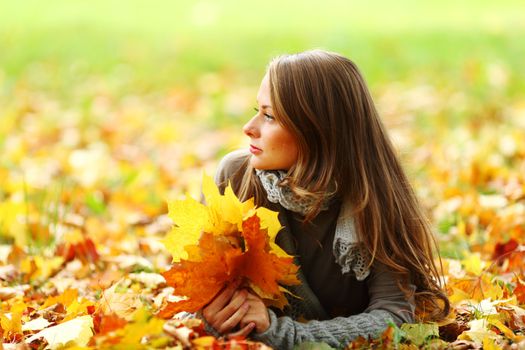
(323, 100)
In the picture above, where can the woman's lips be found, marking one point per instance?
(255, 150)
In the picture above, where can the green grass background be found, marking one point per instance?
(71, 50)
(159, 43)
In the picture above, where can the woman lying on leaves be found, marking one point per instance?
(320, 156)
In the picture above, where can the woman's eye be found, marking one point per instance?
(266, 116)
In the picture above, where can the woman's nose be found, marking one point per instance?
(251, 129)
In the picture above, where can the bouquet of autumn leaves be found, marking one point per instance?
(218, 243)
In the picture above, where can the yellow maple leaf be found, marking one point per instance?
(223, 215)
(225, 210)
(38, 267)
(270, 221)
(74, 305)
(473, 263)
(12, 322)
(189, 217)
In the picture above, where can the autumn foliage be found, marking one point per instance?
(233, 246)
(87, 165)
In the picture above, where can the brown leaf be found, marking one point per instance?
(503, 249)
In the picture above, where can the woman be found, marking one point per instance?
(320, 155)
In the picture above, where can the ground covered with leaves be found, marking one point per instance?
(83, 212)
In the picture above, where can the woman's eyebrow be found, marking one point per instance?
(264, 106)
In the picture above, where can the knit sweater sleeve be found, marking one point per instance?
(387, 303)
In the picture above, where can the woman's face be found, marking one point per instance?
(271, 145)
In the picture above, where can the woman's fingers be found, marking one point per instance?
(257, 314)
(218, 303)
(244, 331)
(237, 300)
(234, 319)
(227, 309)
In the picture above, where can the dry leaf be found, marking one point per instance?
(77, 331)
(124, 304)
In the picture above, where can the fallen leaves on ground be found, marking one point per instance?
(83, 213)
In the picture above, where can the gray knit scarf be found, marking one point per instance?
(348, 251)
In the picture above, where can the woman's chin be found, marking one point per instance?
(257, 164)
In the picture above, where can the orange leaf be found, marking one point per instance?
(201, 280)
(65, 298)
(475, 288)
(107, 323)
(519, 291)
(83, 249)
(217, 260)
(263, 268)
(516, 261)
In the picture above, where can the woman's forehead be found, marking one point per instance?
(263, 96)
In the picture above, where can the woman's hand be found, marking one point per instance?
(257, 313)
(227, 309)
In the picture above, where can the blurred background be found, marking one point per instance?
(108, 108)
